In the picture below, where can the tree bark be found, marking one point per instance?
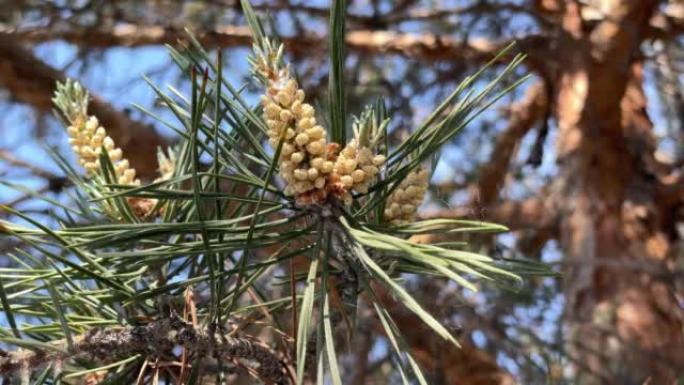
(524, 115)
(625, 326)
(425, 46)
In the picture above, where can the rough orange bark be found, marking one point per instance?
(625, 325)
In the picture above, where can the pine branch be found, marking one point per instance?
(156, 339)
(349, 205)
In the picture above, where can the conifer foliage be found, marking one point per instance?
(173, 280)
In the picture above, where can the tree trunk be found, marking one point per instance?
(623, 326)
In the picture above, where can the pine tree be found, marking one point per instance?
(253, 252)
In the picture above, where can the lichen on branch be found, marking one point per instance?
(155, 339)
